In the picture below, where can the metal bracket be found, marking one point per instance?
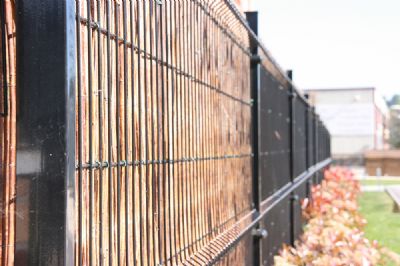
(295, 197)
(255, 59)
(259, 233)
(292, 94)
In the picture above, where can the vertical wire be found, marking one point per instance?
(80, 151)
(100, 121)
(179, 131)
(182, 130)
(207, 126)
(172, 143)
(195, 146)
(203, 127)
(133, 132)
(214, 134)
(152, 206)
(117, 117)
(198, 124)
(164, 97)
(194, 28)
(192, 125)
(146, 128)
(168, 52)
(211, 132)
(188, 133)
(90, 96)
(181, 145)
(126, 137)
(188, 130)
(140, 138)
(109, 113)
(158, 23)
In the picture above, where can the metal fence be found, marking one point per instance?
(156, 133)
(163, 146)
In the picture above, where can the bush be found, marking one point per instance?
(334, 231)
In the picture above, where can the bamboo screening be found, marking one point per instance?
(7, 132)
(163, 139)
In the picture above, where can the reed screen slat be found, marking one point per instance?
(163, 136)
(7, 130)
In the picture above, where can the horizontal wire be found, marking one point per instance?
(224, 30)
(106, 164)
(273, 152)
(95, 26)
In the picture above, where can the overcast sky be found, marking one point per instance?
(335, 43)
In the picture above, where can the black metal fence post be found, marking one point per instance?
(252, 19)
(46, 133)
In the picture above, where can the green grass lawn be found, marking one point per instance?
(383, 224)
(374, 182)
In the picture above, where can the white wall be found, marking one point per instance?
(355, 119)
(343, 146)
(350, 117)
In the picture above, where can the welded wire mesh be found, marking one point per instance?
(277, 223)
(274, 137)
(310, 137)
(163, 130)
(299, 124)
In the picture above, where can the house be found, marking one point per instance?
(356, 117)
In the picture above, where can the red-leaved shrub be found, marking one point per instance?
(333, 234)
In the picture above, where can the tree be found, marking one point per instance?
(394, 127)
(395, 100)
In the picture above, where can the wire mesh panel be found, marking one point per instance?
(274, 134)
(163, 140)
(299, 124)
(277, 223)
(242, 254)
(7, 131)
(310, 137)
(322, 141)
(300, 196)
